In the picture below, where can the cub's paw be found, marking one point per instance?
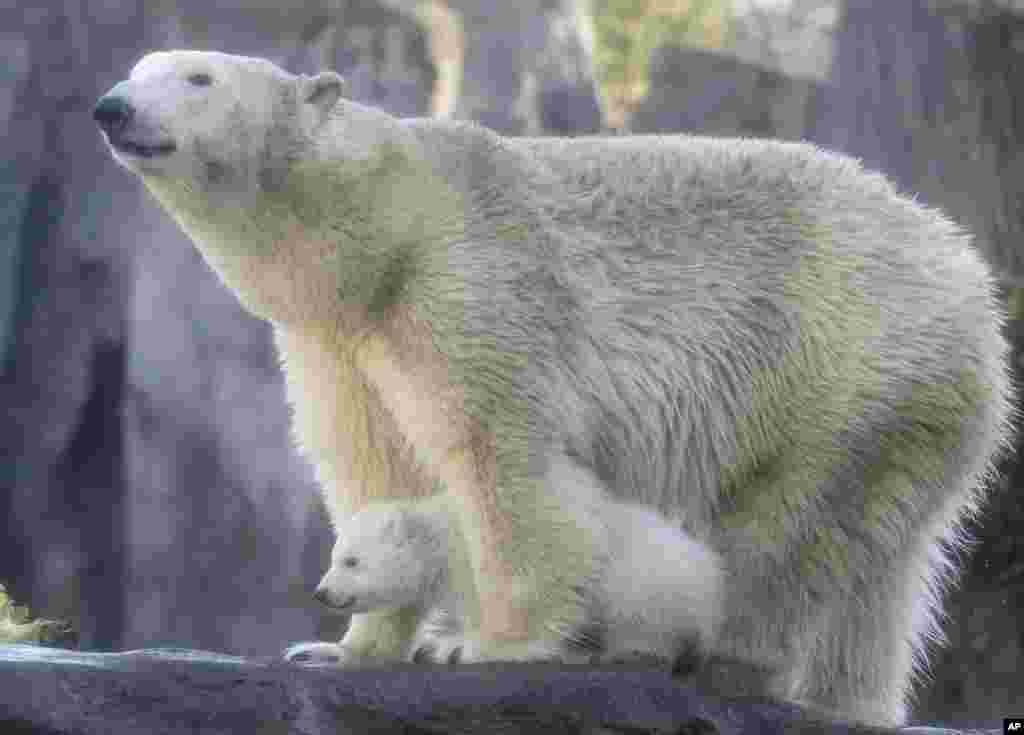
(438, 648)
(316, 653)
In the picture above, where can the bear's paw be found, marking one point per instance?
(317, 653)
(471, 647)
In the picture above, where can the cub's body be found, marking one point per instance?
(658, 593)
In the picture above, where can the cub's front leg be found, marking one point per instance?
(379, 635)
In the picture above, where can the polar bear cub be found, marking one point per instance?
(659, 592)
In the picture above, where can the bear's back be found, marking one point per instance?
(748, 208)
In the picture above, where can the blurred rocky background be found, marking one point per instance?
(149, 490)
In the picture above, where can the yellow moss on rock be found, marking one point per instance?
(16, 625)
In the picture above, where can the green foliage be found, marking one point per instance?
(625, 32)
(16, 626)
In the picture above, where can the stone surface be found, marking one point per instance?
(173, 691)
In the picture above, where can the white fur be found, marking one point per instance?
(401, 559)
(757, 338)
(659, 591)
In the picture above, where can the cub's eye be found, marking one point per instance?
(350, 562)
(200, 79)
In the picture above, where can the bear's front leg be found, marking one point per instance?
(535, 555)
(531, 562)
(376, 636)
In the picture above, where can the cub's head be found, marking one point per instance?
(384, 557)
(212, 116)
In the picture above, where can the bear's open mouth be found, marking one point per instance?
(145, 150)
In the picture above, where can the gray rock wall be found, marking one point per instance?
(698, 91)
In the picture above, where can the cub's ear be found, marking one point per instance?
(321, 90)
(400, 527)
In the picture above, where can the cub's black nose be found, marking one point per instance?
(113, 114)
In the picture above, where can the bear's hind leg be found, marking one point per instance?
(859, 667)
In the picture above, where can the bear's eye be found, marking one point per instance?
(350, 561)
(200, 79)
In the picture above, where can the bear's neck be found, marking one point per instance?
(332, 241)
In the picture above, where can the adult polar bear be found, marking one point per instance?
(759, 339)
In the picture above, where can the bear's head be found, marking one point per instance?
(384, 557)
(213, 117)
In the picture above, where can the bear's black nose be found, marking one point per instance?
(113, 114)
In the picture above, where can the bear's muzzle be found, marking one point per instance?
(115, 115)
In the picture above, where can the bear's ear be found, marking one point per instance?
(321, 90)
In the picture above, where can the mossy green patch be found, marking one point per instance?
(785, 445)
(916, 454)
(1015, 303)
(512, 231)
(911, 455)
(391, 220)
(384, 633)
(378, 224)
